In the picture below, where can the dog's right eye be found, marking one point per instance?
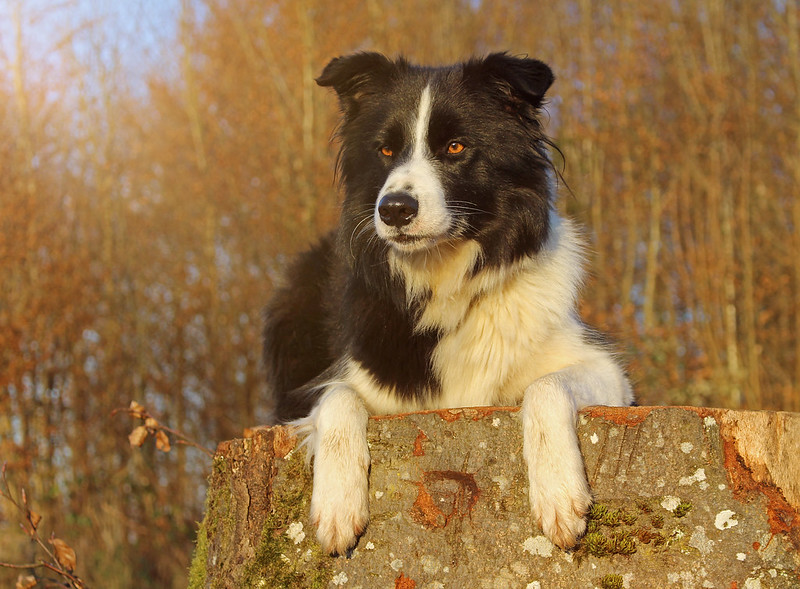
(387, 151)
(455, 148)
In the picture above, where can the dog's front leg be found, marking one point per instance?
(339, 501)
(559, 493)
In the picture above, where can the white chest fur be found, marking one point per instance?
(503, 327)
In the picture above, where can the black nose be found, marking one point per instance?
(397, 209)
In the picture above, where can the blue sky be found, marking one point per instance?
(132, 30)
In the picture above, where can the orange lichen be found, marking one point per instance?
(403, 582)
(418, 449)
(450, 415)
(425, 511)
(443, 495)
(472, 413)
(626, 416)
(782, 517)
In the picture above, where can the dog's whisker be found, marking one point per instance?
(466, 208)
(360, 228)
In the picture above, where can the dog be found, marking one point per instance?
(451, 281)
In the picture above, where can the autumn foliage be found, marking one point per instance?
(149, 201)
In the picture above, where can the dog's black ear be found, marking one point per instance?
(519, 80)
(354, 76)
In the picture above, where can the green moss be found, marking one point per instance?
(278, 561)
(597, 512)
(612, 519)
(610, 531)
(602, 515)
(217, 515)
(682, 509)
(619, 529)
(622, 542)
(596, 544)
(612, 582)
(618, 542)
(222, 527)
(197, 570)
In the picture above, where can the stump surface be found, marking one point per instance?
(685, 497)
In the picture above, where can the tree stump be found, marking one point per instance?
(684, 497)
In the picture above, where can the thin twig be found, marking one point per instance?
(30, 565)
(144, 415)
(183, 439)
(5, 492)
(75, 580)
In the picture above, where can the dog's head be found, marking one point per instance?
(434, 155)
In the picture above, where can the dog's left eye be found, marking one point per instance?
(455, 147)
(387, 151)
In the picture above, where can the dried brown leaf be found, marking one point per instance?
(25, 582)
(138, 436)
(151, 423)
(64, 554)
(137, 410)
(34, 518)
(162, 441)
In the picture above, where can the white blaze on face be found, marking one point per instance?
(417, 176)
(422, 123)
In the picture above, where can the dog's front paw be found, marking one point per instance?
(340, 499)
(339, 521)
(559, 492)
(561, 512)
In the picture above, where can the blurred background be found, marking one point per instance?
(159, 159)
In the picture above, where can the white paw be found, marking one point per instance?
(339, 505)
(340, 499)
(560, 511)
(559, 493)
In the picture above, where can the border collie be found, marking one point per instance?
(451, 281)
